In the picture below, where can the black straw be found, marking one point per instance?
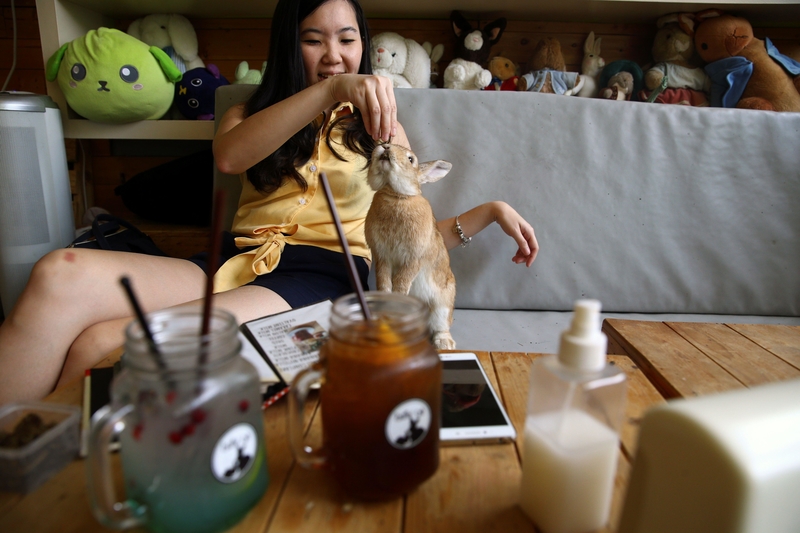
(351, 265)
(126, 284)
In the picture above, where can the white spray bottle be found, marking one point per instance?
(576, 405)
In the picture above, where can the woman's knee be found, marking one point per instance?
(59, 271)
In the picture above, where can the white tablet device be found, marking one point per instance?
(471, 411)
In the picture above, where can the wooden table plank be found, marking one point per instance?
(475, 489)
(741, 357)
(783, 341)
(641, 395)
(670, 362)
(311, 502)
(496, 495)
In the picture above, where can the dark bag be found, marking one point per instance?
(177, 192)
(112, 233)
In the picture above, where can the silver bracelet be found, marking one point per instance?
(458, 231)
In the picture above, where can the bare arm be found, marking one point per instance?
(477, 218)
(241, 142)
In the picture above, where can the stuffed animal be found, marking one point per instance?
(604, 81)
(591, 66)
(548, 71)
(109, 76)
(674, 54)
(194, 94)
(246, 75)
(504, 74)
(404, 61)
(172, 33)
(435, 53)
(620, 87)
(746, 72)
(472, 49)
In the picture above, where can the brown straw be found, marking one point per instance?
(351, 265)
(211, 265)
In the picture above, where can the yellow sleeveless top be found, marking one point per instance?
(290, 215)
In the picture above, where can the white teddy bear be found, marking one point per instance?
(172, 33)
(404, 61)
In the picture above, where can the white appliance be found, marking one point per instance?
(35, 198)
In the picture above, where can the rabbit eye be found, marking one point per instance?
(394, 54)
(411, 159)
(704, 46)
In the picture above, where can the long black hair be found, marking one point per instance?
(286, 76)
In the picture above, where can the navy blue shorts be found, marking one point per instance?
(304, 275)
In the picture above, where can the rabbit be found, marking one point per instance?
(408, 249)
(435, 53)
(404, 61)
(467, 70)
(591, 66)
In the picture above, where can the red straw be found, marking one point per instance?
(351, 265)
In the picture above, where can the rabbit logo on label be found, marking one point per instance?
(408, 423)
(234, 453)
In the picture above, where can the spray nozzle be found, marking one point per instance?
(583, 345)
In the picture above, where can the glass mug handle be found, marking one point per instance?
(119, 515)
(298, 393)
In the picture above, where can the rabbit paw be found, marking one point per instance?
(484, 79)
(442, 340)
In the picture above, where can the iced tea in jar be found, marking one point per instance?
(380, 398)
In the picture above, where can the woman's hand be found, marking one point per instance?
(374, 96)
(517, 228)
(477, 218)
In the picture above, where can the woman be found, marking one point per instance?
(73, 311)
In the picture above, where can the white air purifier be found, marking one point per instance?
(35, 198)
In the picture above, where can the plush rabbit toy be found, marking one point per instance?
(172, 33)
(404, 61)
(467, 70)
(591, 66)
(407, 247)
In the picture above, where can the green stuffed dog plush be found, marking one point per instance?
(110, 76)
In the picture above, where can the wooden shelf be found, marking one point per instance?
(146, 129)
(61, 21)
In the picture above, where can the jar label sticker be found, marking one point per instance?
(234, 453)
(408, 423)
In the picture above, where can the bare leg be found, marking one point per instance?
(245, 303)
(69, 291)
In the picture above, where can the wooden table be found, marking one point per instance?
(476, 487)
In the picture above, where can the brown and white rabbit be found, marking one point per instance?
(407, 248)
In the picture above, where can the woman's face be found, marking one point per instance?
(330, 41)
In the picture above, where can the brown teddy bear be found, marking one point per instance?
(504, 74)
(731, 50)
(674, 56)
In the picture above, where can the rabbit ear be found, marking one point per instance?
(433, 171)
(461, 25)
(427, 46)
(495, 30)
(597, 46)
(588, 45)
(437, 52)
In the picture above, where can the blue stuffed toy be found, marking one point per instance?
(194, 94)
